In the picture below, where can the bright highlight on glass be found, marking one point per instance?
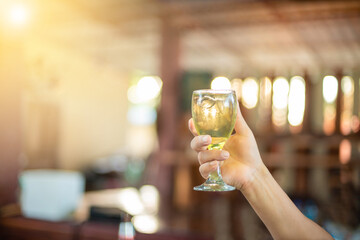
(330, 88)
(220, 83)
(147, 89)
(249, 93)
(296, 101)
(18, 14)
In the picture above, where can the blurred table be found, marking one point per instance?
(80, 228)
(21, 228)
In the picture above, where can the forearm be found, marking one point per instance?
(277, 211)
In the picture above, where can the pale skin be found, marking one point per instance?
(245, 170)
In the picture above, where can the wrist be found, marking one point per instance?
(256, 177)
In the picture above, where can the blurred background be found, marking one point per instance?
(95, 97)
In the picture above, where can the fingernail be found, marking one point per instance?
(205, 139)
(225, 154)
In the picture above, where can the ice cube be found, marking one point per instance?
(207, 102)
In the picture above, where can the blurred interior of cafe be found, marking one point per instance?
(95, 98)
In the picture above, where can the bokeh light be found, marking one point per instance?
(147, 89)
(236, 85)
(132, 96)
(150, 196)
(264, 109)
(220, 83)
(355, 123)
(18, 14)
(265, 89)
(249, 93)
(129, 200)
(345, 151)
(280, 102)
(347, 87)
(330, 88)
(281, 92)
(296, 101)
(329, 119)
(146, 223)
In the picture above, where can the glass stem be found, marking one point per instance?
(215, 176)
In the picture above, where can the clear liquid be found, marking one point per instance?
(214, 114)
(217, 143)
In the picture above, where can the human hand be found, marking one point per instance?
(244, 161)
(245, 170)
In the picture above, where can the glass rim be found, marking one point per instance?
(221, 91)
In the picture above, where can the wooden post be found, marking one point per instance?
(339, 102)
(11, 75)
(307, 124)
(168, 115)
(169, 71)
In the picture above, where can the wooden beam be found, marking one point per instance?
(247, 14)
(297, 37)
(187, 15)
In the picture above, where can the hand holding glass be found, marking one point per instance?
(214, 114)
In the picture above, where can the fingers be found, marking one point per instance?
(200, 143)
(192, 127)
(240, 124)
(209, 156)
(209, 161)
(206, 168)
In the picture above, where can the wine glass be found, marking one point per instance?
(214, 114)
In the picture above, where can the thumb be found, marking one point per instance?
(241, 126)
(192, 127)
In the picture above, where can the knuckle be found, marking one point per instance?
(200, 156)
(202, 171)
(203, 156)
(196, 144)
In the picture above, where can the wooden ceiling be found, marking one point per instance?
(226, 36)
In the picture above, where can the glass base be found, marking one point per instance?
(214, 187)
